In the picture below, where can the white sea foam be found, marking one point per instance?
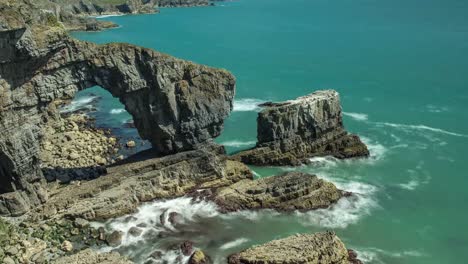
(112, 15)
(234, 243)
(150, 215)
(328, 161)
(372, 255)
(247, 104)
(117, 111)
(347, 211)
(411, 185)
(357, 116)
(409, 128)
(238, 144)
(377, 150)
(78, 104)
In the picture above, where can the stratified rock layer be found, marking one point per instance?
(128, 185)
(176, 105)
(291, 132)
(290, 191)
(319, 248)
(89, 256)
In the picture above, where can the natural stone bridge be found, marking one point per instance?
(176, 105)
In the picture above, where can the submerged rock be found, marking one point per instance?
(290, 191)
(291, 132)
(323, 248)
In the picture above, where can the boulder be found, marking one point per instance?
(286, 192)
(198, 257)
(292, 132)
(323, 248)
(115, 238)
(186, 247)
(67, 246)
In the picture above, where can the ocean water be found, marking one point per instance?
(401, 68)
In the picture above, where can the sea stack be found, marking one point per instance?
(292, 132)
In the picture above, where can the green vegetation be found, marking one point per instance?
(52, 21)
(6, 230)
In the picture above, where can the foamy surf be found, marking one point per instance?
(410, 128)
(154, 217)
(79, 104)
(234, 243)
(117, 111)
(106, 16)
(238, 144)
(357, 116)
(247, 105)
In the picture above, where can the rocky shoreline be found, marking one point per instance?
(58, 173)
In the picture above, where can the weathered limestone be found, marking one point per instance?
(287, 192)
(176, 105)
(291, 132)
(319, 248)
(89, 256)
(128, 185)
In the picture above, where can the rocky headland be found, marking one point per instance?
(292, 132)
(58, 172)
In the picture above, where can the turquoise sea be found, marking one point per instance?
(401, 68)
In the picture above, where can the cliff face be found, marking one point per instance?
(177, 105)
(291, 132)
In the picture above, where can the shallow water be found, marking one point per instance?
(401, 69)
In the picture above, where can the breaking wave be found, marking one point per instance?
(79, 104)
(247, 104)
(113, 15)
(347, 211)
(357, 116)
(234, 243)
(238, 144)
(117, 111)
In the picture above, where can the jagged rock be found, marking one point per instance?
(132, 183)
(290, 191)
(89, 256)
(291, 132)
(182, 3)
(176, 105)
(353, 257)
(323, 248)
(79, 222)
(198, 257)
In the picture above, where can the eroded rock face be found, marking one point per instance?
(176, 105)
(89, 256)
(291, 132)
(286, 192)
(128, 185)
(323, 248)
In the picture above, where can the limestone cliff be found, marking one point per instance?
(176, 105)
(291, 132)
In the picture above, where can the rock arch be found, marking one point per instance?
(176, 105)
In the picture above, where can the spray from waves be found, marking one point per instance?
(234, 243)
(155, 217)
(79, 104)
(238, 144)
(377, 150)
(347, 211)
(409, 128)
(357, 116)
(117, 111)
(247, 104)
